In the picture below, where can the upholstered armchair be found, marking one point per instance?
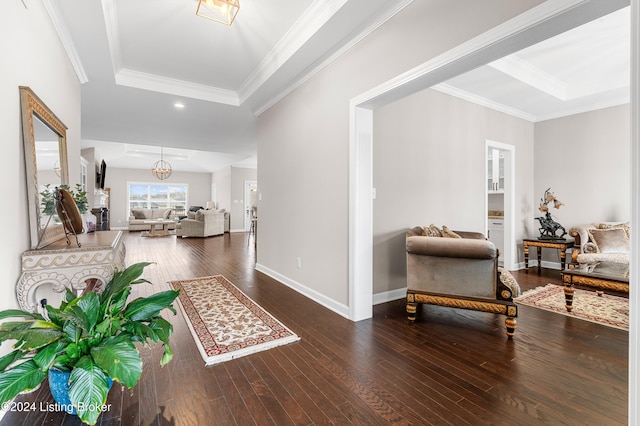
(459, 270)
(205, 223)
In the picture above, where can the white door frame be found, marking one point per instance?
(509, 255)
(537, 24)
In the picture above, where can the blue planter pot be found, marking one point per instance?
(59, 385)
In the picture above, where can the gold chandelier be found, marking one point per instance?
(223, 11)
(161, 169)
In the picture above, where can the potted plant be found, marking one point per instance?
(90, 338)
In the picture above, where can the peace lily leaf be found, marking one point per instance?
(10, 358)
(33, 339)
(167, 356)
(25, 376)
(17, 313)
(90, 305)
(120, 359)
(122, 280)
(88, 389)
(163, 329)
(45, 357)
(143, 330)
(147, 308)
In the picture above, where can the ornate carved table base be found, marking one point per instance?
(68, 266)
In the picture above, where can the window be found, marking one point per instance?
(153, 196)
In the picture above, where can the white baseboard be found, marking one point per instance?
(389, 296)
(323, 300)
(238, 230)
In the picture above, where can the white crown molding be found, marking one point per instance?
(53, 9)
(586, 108)
(302, 30)
(482, 101)
(156, 83)
(113, 36)
(398, 6)
(527, 73)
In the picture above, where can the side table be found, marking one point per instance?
(539, 243)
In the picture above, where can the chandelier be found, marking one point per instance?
(161, 169)
(223, 11)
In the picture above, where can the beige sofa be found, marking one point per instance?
(203, 223)
(460, 270)
(601, 242)
(138, 216)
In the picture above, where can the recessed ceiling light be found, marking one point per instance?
(178, 105)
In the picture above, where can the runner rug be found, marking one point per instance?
(225, 322)
(609, 310)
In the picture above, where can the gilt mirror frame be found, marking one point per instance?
(43, 230)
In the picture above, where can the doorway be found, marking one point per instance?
(499, 200)
(250, 202)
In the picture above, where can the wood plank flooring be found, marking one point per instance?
(453, 367)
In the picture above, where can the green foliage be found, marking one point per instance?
(48, 202)
(92, 336)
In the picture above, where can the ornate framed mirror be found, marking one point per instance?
(45, 149)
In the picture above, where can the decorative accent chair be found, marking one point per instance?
(459, 270)
(205, 223)
(601, 242)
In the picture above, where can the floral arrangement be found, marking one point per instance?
(549, 197)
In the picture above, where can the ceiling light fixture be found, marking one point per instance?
(161, 169)
(223, 11)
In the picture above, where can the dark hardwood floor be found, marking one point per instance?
(453, 367)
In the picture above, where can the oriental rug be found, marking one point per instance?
(225, 322)
(609, 310)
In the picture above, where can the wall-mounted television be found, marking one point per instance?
(102, 174)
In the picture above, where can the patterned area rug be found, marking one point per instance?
(225, 322)
(587, 305)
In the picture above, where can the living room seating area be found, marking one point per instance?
(601, 242)
(139, 216)
(457, 269)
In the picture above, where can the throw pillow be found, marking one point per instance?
(191, 215)
(432, 231)
(138, 214)
(166, 214)
(624, 226)
(200, 215)
(610, 240)
(447, 233)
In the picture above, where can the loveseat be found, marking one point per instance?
(460, 270)
(138, 216)
(601, 242)
(205, 223)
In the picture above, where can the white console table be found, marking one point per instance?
(69, 266)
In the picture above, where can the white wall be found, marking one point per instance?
(117, 179)
(303, 141)
(429, 167)
(584, 158)
(30, 55)
(222, 180)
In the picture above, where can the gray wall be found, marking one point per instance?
(585, 159)
(429, 167)
(303, 141)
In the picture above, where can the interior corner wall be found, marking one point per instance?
(585, 159)
(429, 166)
(303, 141)
(222, 180)
(30, 55)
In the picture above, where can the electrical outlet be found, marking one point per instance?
(299, 262)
